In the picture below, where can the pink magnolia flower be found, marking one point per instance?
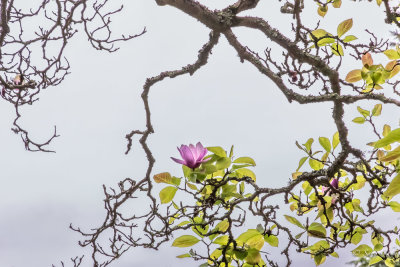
(335, 184)
(192, 156)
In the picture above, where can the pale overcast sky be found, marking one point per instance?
(224, 103)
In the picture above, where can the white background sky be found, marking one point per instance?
(224, 103)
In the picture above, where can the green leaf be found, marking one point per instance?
(335, 140)
(349, 38)
(374, 260)
(334, 254)
(391, 137)
(186, 171)
(222, 240)
(363, 112)
(319, 259)
(246, 236)
(393, 188)
(308, 144)
(299, 235)
(301, 162)
(167, 194)
(337, 49)
(344, 27)
(356, 238)
(272, 240)
(325, 143)
(231, 152)
(244, 172)
(185, 241)
(362, 251)
(223, 163)
(240, 254)
(392, 54)
(192, 186)
(315, 164)
(395, 206)
(246, 160)
(256, 242)
(376, 111)
(391, 155)
(317, 230)
(359, 120)
(253, 256)
(294, 221)
(186, 255)
(319, 33)
(378, 247)
(217, 150)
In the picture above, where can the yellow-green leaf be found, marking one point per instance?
(272, 240)
(222, 240)
(391, 137)
(301, 162)
(244, 172)
(362, 251)
(353, 76)
(186, 255)
(392, 54)
(315, 164)
(192, 186)
(337, 49)
(379, 2)
(217, 150)
(349, 38)
(167, 194)
(185, 241)
(246, 160)
(335, 140)
(374, 260)
(376, 111)
(395, 206)
(335, 254)
(316, 230)
(359, 120)
(363, 112)
(325, 143)
(393, 188)
(392, 155)
(294, 221)
(344, 27)
(253, 256)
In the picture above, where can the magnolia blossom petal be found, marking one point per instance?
(335, 183)
(187, 156)
(178, 161)
(194, 151)
(202, 151)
